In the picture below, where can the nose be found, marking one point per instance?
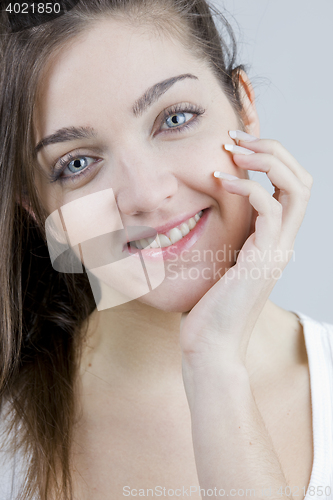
(146, 184)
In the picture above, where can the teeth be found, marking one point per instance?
(171, 237)
(192, 223)
(175, 235)
(164, 240)
(184, 229)
(154, 244)
(144, 243)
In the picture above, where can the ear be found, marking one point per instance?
(247, 96)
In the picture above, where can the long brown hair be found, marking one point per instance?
(42, 312)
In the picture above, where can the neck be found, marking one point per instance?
(135, 341)
(138, 343)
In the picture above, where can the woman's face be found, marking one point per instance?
(158, 161)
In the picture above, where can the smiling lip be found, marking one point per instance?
(165, 228)
(154, 254)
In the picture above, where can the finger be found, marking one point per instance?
(293, 194)
(276, 149)
(278, 173)
(269, 220)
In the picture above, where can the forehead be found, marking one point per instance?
(109, 61)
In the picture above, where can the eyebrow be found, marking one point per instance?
(156, 91)
(66, 134)
(140, 106)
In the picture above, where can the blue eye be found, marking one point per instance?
(180, 117)
(78, 164)
(74, 166)
(177, 119)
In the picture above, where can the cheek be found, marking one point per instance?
(54, 196)
(50, 195)
(196, 165)
(194, 160)
(198, 156)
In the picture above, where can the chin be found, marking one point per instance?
(178, 296)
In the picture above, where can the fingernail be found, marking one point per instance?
(238, 149)
(223, 175)
(242, 136)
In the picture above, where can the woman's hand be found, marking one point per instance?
(220, 325)
(232, 447)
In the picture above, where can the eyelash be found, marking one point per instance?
(178, 108)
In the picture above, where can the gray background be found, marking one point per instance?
(288, 47)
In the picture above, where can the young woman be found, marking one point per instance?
(201, 381)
